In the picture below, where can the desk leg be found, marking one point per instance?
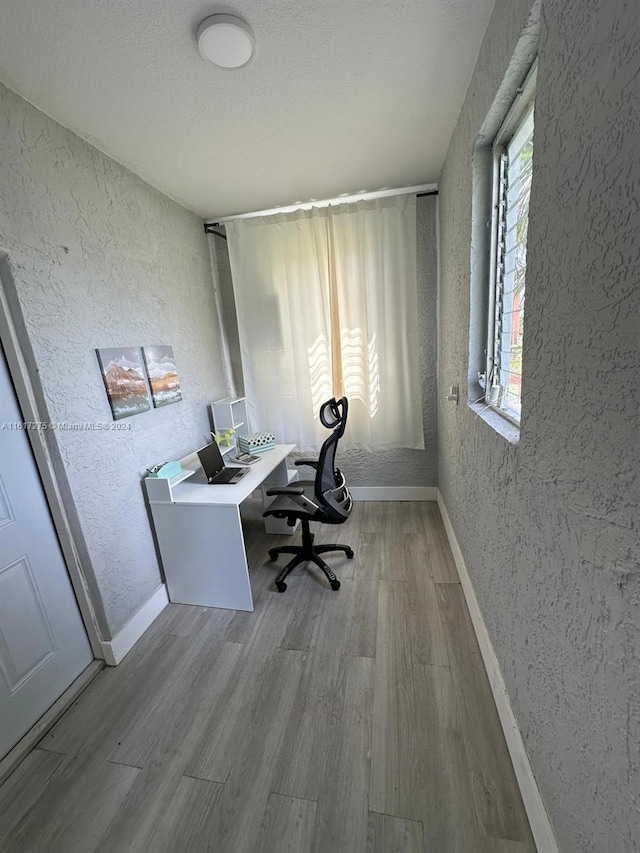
(203, 555)
(280, 476)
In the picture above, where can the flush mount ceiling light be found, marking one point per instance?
(226, 41)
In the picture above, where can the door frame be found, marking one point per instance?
(28, 403)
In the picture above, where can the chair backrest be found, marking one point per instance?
(330, 488)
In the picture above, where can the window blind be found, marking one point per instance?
(515, 161)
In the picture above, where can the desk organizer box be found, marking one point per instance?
(256, 442)
(165, 471)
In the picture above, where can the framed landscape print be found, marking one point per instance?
(163, 375)
(123, 375)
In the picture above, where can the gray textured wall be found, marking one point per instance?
(99, 259)
(401, 467)
(549, 526)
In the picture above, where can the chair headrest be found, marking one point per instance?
(333, 414)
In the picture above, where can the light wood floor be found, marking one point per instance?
(358, 721)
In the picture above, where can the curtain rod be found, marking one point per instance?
(420, 191)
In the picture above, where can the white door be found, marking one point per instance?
(43, 643)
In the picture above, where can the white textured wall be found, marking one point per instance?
(100, 259)
(549, 527)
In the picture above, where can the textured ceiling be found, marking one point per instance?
(340, 97)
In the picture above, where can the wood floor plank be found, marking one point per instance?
(437, 698)
(419, 766)
(74, 809)
(496, 797)
(363, 614)
(147, 734)
(193, 620)
(23, 787)
(133, 829)
(308, 599)
(245, 796)
(418, 762)
(272, 609)
(463, 650)
(216, 752)
(212, 758)
(440, 562)
(133, 826)
(369, 516)
(181, 620)
(343, 803)
(301, 765)
(447, 812)
(395, 532)
(392, 777)
(442, 794)
(190, 821)
(412, 518)
(115, 698)
(287, 826)
(161, 724)
(209, 700)
(387, 834)
(428, 643)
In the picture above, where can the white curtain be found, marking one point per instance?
(327, 305)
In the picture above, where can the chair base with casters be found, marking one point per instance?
(307, 553)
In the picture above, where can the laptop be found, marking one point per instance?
(214, 468)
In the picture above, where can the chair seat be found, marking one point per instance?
(283, 506)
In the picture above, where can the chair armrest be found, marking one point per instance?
(312, 463)
(285, 490)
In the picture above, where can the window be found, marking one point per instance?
(512, 172)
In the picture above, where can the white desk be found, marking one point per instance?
(199, 529)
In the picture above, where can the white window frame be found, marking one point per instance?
(520, 109)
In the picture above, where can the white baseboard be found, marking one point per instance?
(394, 493)
(114, 650)
(536, 812)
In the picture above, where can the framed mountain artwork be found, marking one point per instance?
(163, 375)
(123, 375)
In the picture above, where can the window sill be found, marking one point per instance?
(494, 419)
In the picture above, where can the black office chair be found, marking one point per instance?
(325, 499)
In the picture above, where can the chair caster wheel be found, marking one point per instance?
(281, 586)
(349, 554)
(273, 554)
(335, 585)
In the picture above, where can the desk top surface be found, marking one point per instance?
(196, 490)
